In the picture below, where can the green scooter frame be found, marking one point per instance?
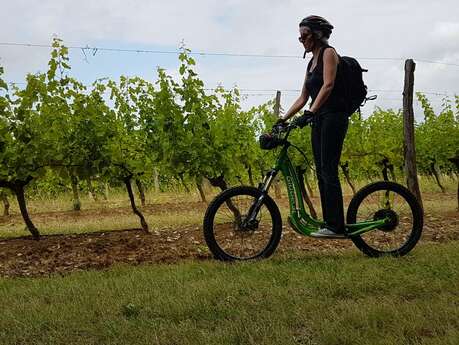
(298, 218)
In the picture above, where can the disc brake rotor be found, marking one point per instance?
(246, 227)
(391, 219)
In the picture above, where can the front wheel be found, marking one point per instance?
(386, 200)
(228, 234)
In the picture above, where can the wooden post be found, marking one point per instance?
(408, 131)
(91, 191)
(76, 193)
(156, 180)
(106, 190)
(277, 104)
(455, 161)
(141, 190)
(277, 190)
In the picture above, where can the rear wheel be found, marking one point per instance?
(227, 233)
(396, 203)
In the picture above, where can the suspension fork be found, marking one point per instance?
(264, 187)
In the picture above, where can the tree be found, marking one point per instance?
(26, 145)
(128, 149)
(198, 135)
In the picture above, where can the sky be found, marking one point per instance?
(380, 34)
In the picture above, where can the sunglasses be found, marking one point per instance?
(303, 38)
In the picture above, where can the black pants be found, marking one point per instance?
(328, 132)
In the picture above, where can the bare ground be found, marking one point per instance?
(61, 254)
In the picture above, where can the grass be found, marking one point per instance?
(297, 298)
(52, 226)
(118, 197)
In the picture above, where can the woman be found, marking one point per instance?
(324, 85)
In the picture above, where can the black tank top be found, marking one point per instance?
(315, 79)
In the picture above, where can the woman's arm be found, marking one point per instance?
(299, 103)
(331, 61)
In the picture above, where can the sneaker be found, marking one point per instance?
(326, 233)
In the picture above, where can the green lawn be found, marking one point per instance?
(295, 299)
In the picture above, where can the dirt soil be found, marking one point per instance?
(61, 254)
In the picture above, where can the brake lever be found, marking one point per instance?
(279, 128)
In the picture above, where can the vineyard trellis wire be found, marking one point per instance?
(57, 126)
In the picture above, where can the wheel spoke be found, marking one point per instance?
(237, 241)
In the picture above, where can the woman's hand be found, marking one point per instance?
(280, 121)
(304, 120)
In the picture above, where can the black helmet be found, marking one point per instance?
(316, 23)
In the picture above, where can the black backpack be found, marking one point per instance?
(355, 91)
